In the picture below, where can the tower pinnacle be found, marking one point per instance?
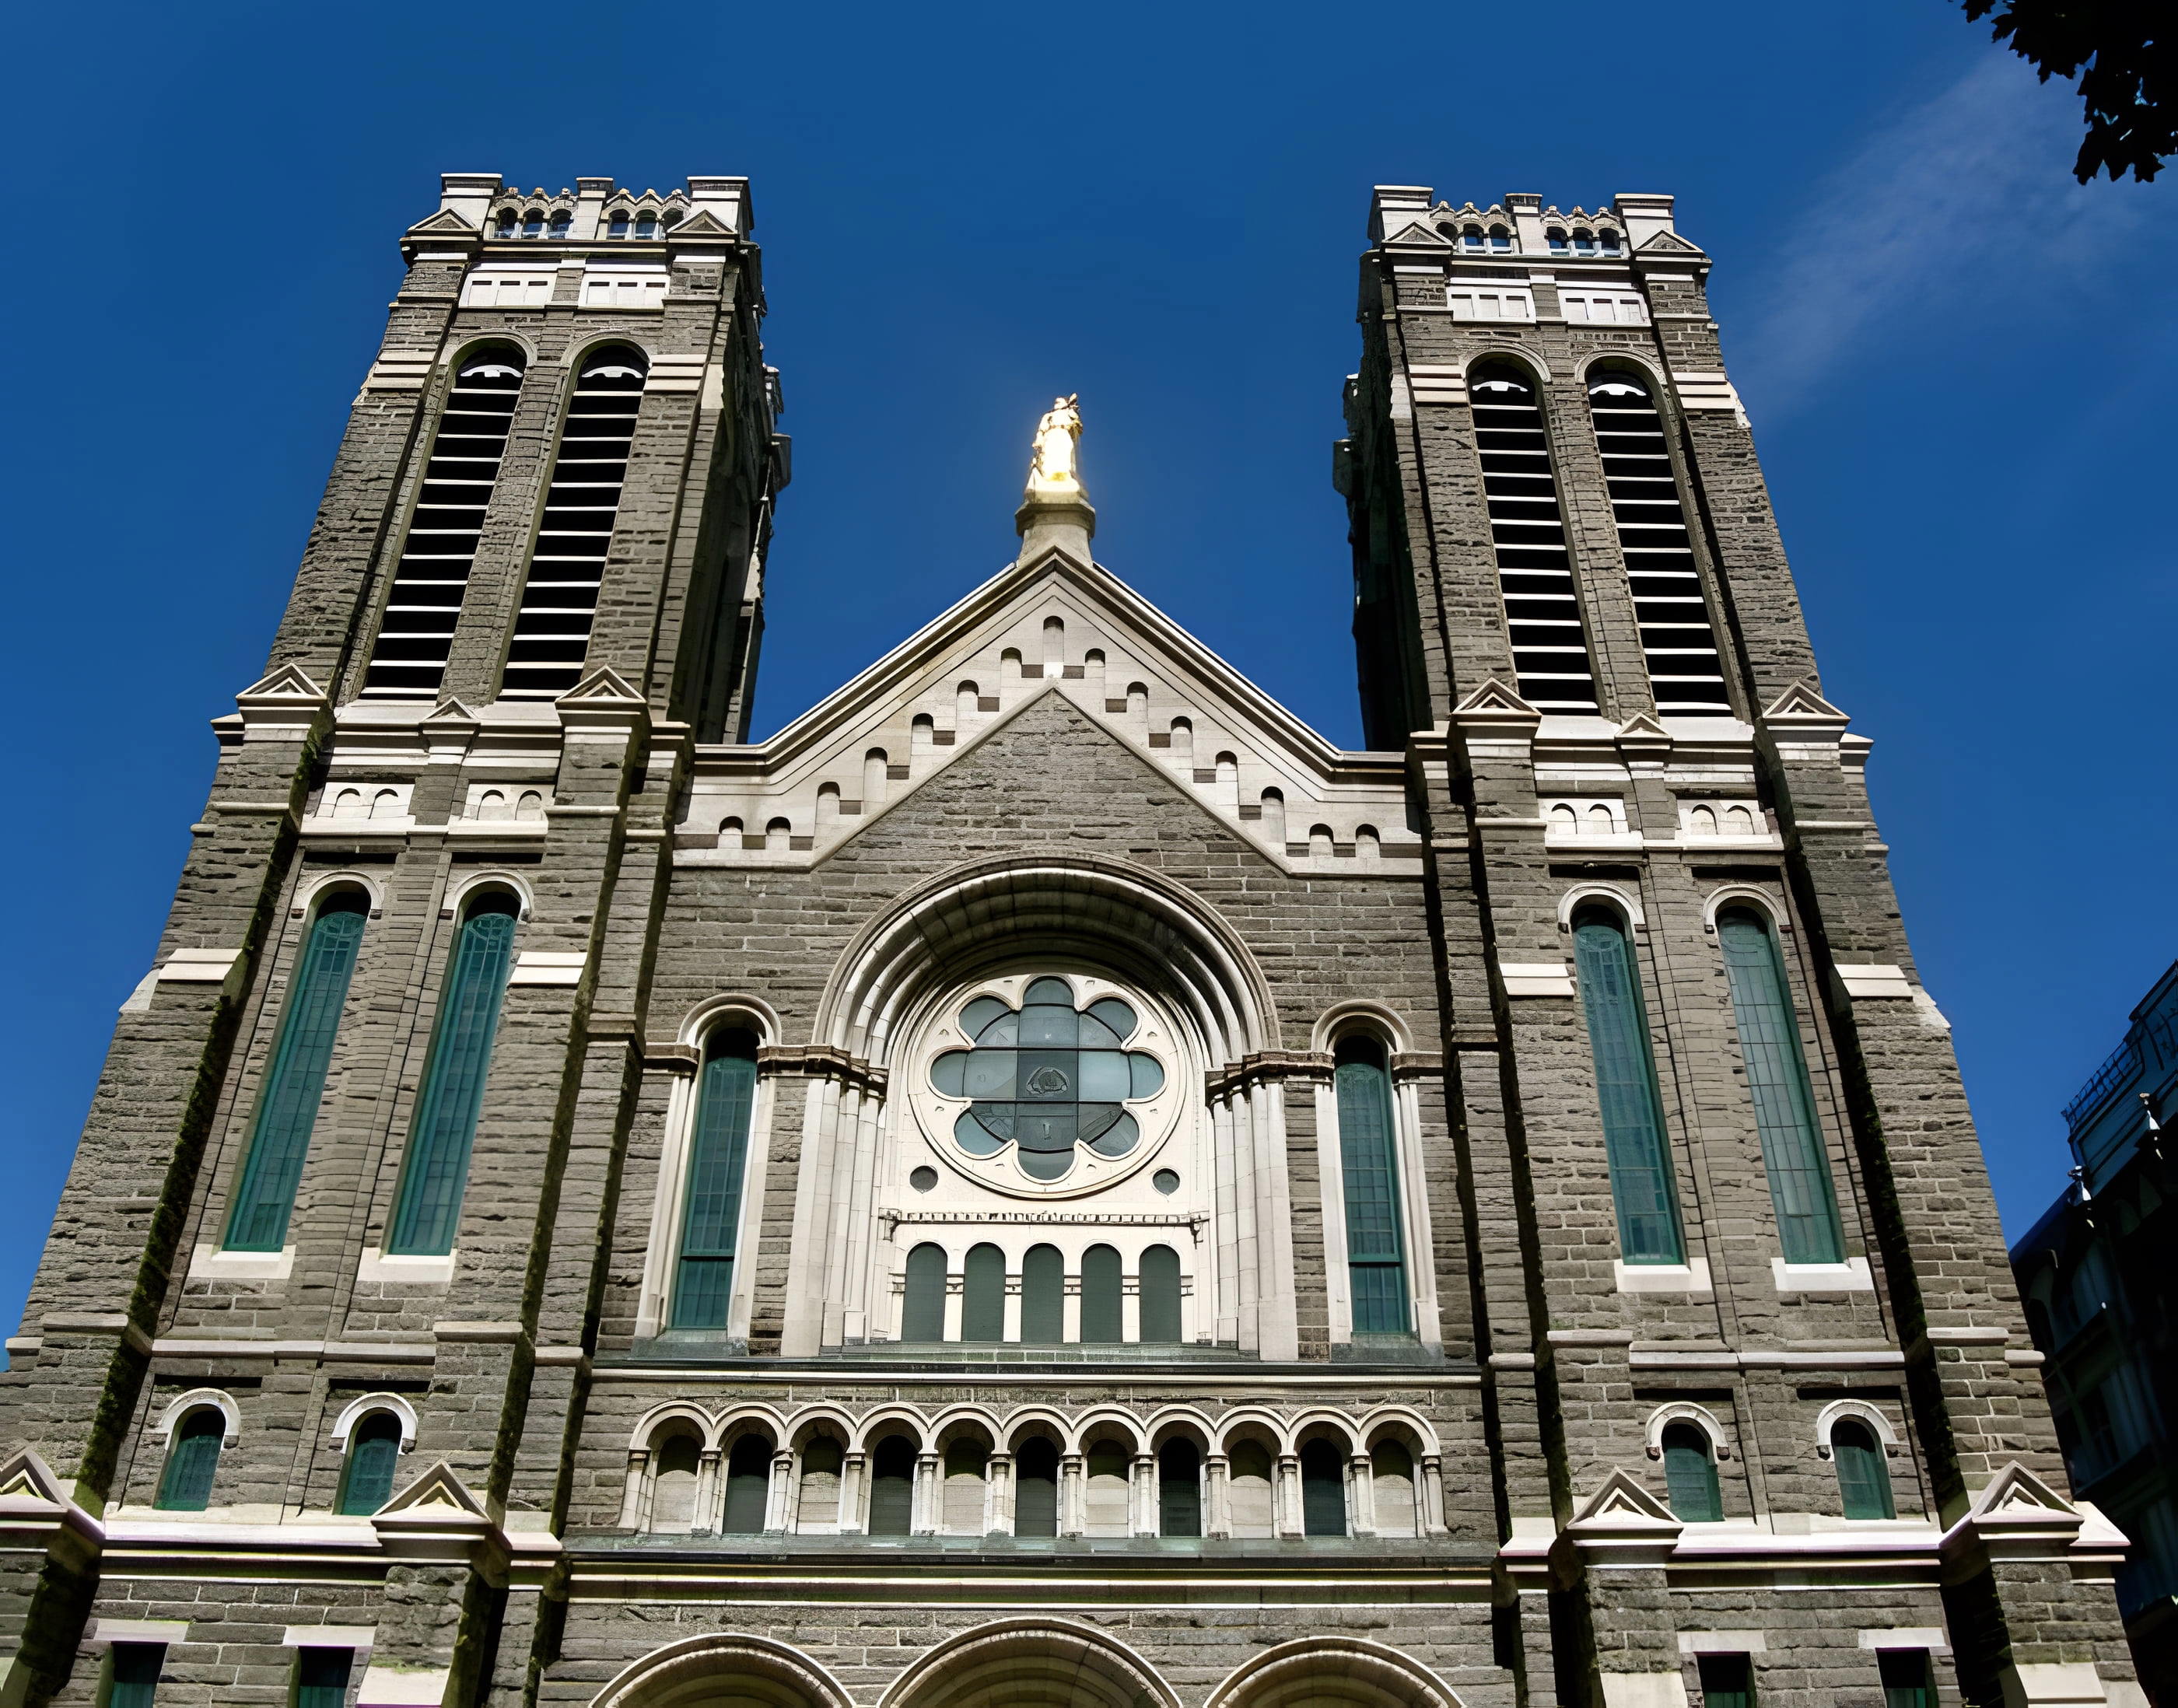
(1054, 508)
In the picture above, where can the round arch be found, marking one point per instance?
(724, 1670)
(1343, 1670)
(1030, 1663)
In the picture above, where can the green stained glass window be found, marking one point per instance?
(1159, 1288)
(1864, 1479)
(718, 1159)
(1690, 1475)
(427, 1210)
(922, 1316)
(984, 1294)
(1102, 1321)
(280, 1138)
(322, 1677)
(1808, 1230)
(134, 1682)
(1367, 1154)
(185, 1484)
(1626, 1089)
(1043, 1296)
(373, 1453)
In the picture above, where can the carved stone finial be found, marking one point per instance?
(1055, 510)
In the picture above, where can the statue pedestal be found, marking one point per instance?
(1064, 519)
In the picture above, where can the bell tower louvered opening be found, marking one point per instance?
(1685, 671)
(560, 600)
(409, 661)
(1527, 530)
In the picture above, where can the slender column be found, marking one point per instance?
(1218, 1519)
(957, 1287)
(1130, 1308)
(1361, 1496)
(927, 1495)
(854, 1472)
(1431, 1493)
(1145, 1496)
(633, 1502)
(778, 1506)
(1071, 1310)
(1286, 1503)
(1071, 1519)
(1012, 1331)
(999, 1495)
(708, 1493)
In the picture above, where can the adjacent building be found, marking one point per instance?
(1045, 1180)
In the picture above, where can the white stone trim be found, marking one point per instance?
(547, 966)
(731, 1008)
(1360, 1015)
(389, 1686)
(1690, 1277)
(1744, 896)
(1932, 1638)
(458, 893)
(356, 1409)
(1723, 1643)
(105, 1633)
(1537, 978)
(198, 966)
(409, 1269)
(1852, 1276)
(1878, 981)
(208, 1263)
(1860, 1411)
(1626, 902)
(315, 884)
(179, 1407)
(1686, 1411)
(362, 1637)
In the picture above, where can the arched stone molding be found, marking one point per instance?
(891, 1420)
(652, 1422)
(1585, 369)
(1030, 1663)
(1626, 901)
(357, 1410)
(1839, 1411)
(1189, 1421)
(182, 1405)
(725, 1670)
(1251, 1421)
(1037, 1420)
(957, 1420)
(1686, 1411)
(734, 1008)
(737, 1420)
(1105, 1421)
(578, 352)
(1381, 1419)
(1344, 1670)
(315, 885)
(492, 878)
(1520, 356)
(1771, 907)
(1360, 1016)
(829, 1419)
(450, 363)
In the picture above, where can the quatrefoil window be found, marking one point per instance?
(1045, 1078)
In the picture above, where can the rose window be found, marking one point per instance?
(1047, 1077)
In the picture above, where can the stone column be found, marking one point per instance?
(1145, 1493)
(1217, 1515)
(710, 1490)
(634, 1506)
(1285, 1502)
(1361, 1496)
(999, 1495)
(929, 1496)
(854, 1472)
(1071, 1519)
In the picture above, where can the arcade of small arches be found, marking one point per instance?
(1034, 1473)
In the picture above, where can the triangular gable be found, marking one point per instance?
(287, 681)
(1620, 1498)
(1418, 233)
(702, 223)
(23, 1476)
(603, 683)
(2016, 1490)
(1801, 704)
(444, 223)
(437, 1494)
(1669, 244)
(1051, 624)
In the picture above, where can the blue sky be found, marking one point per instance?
(1959, 366)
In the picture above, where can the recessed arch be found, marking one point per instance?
(651, 1427)
(1361, 1015)
(1861, 1411)
(734, 1008)
(1344, 1670)
(1625, 901)
(1519, 356)
(217, 1399)
(361, 1407)
(318, 884)
(1772, 908)
(1686, 1411)
(724, 1670)
(1030, 1663)
(459, 895)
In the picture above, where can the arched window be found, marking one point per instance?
(748, 1487)
(616, 226)
(1043, 1296)
(1106, 1488)
(1180, 1489)
(646, 225)
(506, 222)
(673, 1483)
(192, 1461)
(1625, 1090)
(984, 1294)
(1035, 1487)
(1690, 1474)
(1685, 671)
(967, 1465)
(892, 1488)
(1250, 1499)
(567, 566)
(1159, 1288)
(1792, 1154)
(1583, 242)
(1864, 1479)
(1500, 241)
(408, 660)
(287, 1109)
(817, 1505)
(1368, 1157)
(922, 1314)
(562, 221)
(1392, 1477)
(1556, 239)
(1470, 239)
(533, 223)
(426, 1208)
(1608, 241)
(718, 1161)
(374, 1453)
(1534, 575)
(1322, 1490)
(1102, 1321)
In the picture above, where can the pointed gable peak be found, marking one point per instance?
(603, 684)
(23, 1476)
(1670, 244)
(438, 1488)
(444, 223)
(1495, 702)
(288, 682)
(1418, 233)
(1800, 704)
(1622, 1497)
(2016, 1490)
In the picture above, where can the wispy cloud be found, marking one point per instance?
(1965, 197)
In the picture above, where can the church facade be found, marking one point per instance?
(1044, 1180)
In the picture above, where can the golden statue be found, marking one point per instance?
(1052, 466)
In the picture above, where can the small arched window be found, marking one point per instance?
(967, 1479)
(1159, 1286)
(506, 222)
(1035, 1487)
(1793, 1151)
(1322, 1490)
(984, 1294)
(1102, 1324)
(567, 564)
(1249, 1489)
(1625, 1090)
(718, 1161)
(1180, 1489)
(1500, 241)
(1690, 1474)
(1558, 240)
(1368, 1158)
(1106, 1488)
(192, 1461)
(616, 226)
(295, 1085)
(1583, 242)
(562, 222)
(1392, 1479)
(1608, 241)
(1043, 1296)
(1864, 1479)
(374, 1453)
(673, 1483)
(646, 225)
(427, 1206)
(1471, 240)
(892, 1488)
(533, 223)
(748, 1486)
(922, 1312)
(816, 1507)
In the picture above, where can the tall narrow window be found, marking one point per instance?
(265, 1196)
(1726, 1681)
(559, 603)
(1102, 1321)
(1043, 1296)
(923, 1313)
(192, 1461)
(984, 1294)
(1690, 1474)
(1036, 1488)
(1322, 1490)
(427, 1209)
(892, 1488)
(1535, 574)
(1906, 1682)
(1863, 1480)
(1180, 1489)
(1159, 1290)
(409, 661)
(748, 1487)
(1808, 1230)
(1626, 1089)
(135, 1674)
(1684, 669)
(1368, 1166)
(322, 1677)
(718, 1159)
(374, 1453)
